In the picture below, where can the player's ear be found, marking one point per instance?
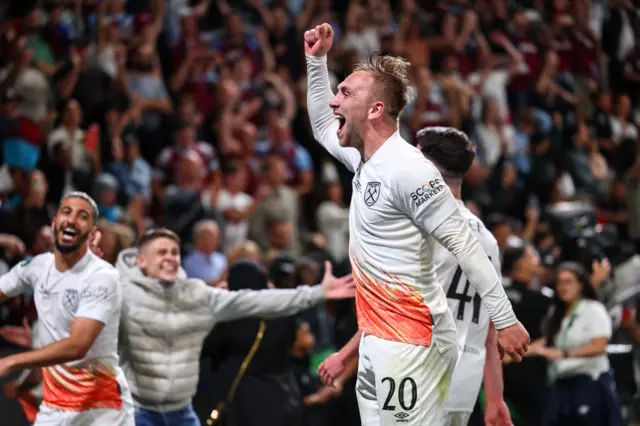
(140, 259)
(376, 110)
(53, 226)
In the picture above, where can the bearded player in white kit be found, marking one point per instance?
(409, 343)
(451, 151)
(78, 299)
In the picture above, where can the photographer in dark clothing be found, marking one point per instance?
(525, 383)
(270, 373)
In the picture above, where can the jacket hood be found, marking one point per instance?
(126, 266)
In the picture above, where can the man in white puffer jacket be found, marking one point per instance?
(166, 317)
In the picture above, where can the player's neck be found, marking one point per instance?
(66, 261)
(455, 185)
(374, 137)
(456, 191)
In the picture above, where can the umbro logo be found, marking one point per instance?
(402, 417)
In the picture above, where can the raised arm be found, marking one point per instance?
(323, 123)
(436, 212)
(232, 305)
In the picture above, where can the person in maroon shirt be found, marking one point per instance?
(197, 76)
(189, 38)
(236, 43)
(562, 43)
(521, 36)
(185, 142)
(586, 46)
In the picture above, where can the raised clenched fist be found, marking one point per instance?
(318, 40)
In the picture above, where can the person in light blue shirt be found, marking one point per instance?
(132, 171)
(204, 261)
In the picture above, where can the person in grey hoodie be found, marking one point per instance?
(166, 317)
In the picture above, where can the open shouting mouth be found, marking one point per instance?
(68, 235)
(342, 121)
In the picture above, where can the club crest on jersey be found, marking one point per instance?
(70, 299)
(371, 193)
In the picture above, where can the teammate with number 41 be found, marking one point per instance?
(452, 153)
(409, 344)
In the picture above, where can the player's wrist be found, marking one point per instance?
(311, 57)
(493, 400)
(11, 364)
(346, 354)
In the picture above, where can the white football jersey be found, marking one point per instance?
(399, 197)
(90, 289)
(470, 314)
(400, 200)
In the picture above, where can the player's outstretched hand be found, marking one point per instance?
(497, 414)
(337, 288)
(514, 341)
(18, 335)
(331, 369)
(318, 40)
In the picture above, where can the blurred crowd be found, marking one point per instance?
(192, 115)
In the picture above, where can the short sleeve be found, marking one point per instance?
(420, 193)
(101, 298)
(17, 280)
(598, 319)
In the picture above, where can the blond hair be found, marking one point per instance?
(391, 81)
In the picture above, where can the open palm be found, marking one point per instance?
(337, 288)
(18, 335)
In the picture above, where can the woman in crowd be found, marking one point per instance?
(577, 331)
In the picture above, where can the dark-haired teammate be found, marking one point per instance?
(452, 152)
(78, 299)
(408, 348)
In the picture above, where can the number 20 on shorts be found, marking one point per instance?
(404, 404)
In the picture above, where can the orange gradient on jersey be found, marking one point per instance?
(80, 388)
(393, 310)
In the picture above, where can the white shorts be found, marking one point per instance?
(458, 418)
(400, 383)
(48, 416)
